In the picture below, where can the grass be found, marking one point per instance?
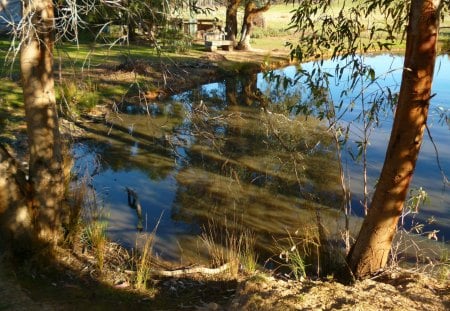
(226, 245)
(73, 224)
(88, 72)
(77, 97)
(292, 253)
(442, 270)
(143, 259)
(95, 237)
(143, 263)
(12, 114)
(308, 251)
(295, 261)
(94, 234)
(248, 256)
(87, 61)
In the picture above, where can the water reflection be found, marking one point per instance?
(233, 153)
(428, 175)
(209, 160)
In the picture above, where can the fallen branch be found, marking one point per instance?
(186, 271)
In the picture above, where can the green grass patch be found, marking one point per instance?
(11, 108)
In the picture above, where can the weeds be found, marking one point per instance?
(77, 97)
(175, 41)
(297, 264)
(248, 256)
(233, 246)
(292, 258)
(261, 33)
(94, 234)
(144, 259)
(143, 263)
(414, 247)
(442, 270)
(308, 250)
(73, 223)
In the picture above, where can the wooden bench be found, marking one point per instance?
(213, 40)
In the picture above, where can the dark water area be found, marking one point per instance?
(232, 154)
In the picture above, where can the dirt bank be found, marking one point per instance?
(74, 283)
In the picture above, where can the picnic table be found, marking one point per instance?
(214, 40)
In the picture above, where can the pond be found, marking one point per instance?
(232, 154)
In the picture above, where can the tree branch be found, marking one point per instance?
(444, 177)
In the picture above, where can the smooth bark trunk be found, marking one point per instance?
(371, 251)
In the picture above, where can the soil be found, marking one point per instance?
(71, 281)
(395, 290)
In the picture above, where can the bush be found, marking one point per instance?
(174, 41)
(259, 33)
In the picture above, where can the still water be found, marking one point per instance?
(232, 154)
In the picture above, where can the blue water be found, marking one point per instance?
(428, 174)
(155, 153)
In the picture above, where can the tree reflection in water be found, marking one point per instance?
(227, 151)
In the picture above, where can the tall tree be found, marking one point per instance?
(371, 250)
(251, 11)
(33, 206)
(323, 33)
(36, 64)
(231, 22)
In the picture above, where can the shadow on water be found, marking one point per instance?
(211, 155)
(227, 153)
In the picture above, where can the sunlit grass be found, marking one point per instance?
(10, 95)
(94, 236)
(12, 114)
(143, 262)
(230, 245)
(299, 251)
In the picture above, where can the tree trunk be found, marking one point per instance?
(131, 32)
(231, 24)
(251, 11)
(250, 91)
(45, 175)
(370, 252)
(231, 91)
